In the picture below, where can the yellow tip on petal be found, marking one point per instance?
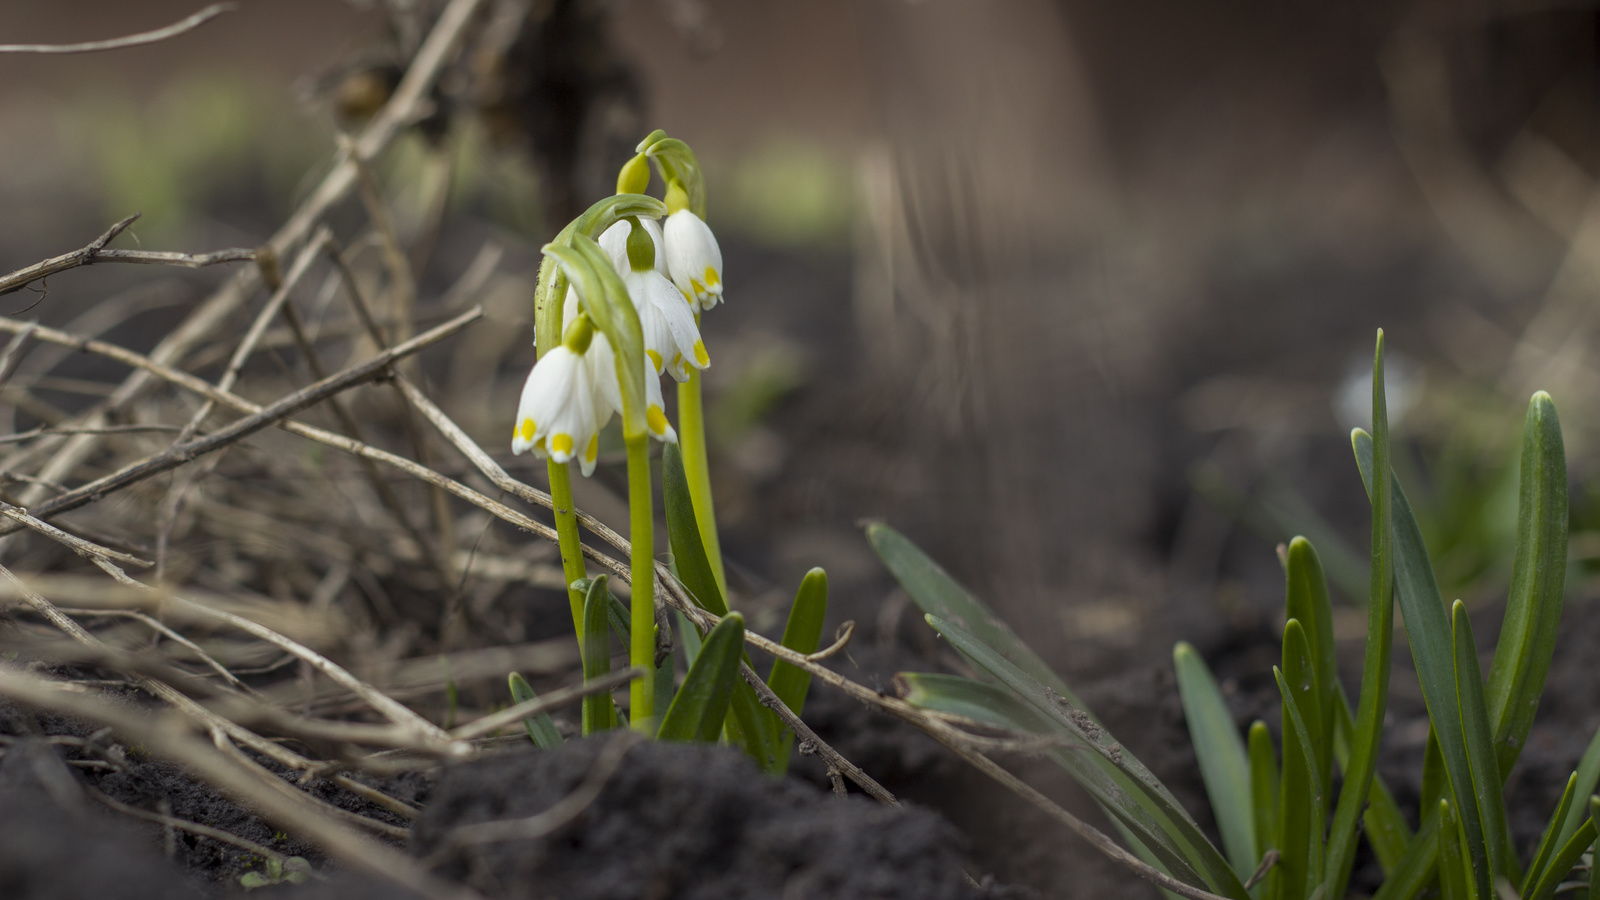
(712, 280)
(591, 452)
(656, 419)
(655, 359)
(697, 286)
(526, 429)
(561, 443)
(700, 355)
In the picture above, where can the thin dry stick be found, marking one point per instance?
(188, 707)
(552, 700)
(401, 109)
(76, 544)
(427, 734)
(132, 40)
(13, 355)
(95, 252)
(167, 736)
(803, 731)
(32, 433)
(162, 629)
(179, 454)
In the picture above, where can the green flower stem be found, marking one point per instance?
(696, 469)
(571, 544)
(642, 640)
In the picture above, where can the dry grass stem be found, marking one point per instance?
(183, 26)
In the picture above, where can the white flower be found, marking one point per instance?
(693, 258)
(558, 416)
(614, 241)
(602, 363)
(671, 337)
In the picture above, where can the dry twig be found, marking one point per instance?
(133, 40)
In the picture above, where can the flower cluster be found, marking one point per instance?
(670, 275)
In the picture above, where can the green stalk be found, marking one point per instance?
(696, 469)
(572, 568)
(642, 639)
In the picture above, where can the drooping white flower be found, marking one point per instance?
(671, 337)
(614, 241)
(693, 258)
(602, 362)
(558, 415)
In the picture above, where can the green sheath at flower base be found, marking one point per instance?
(677, 163)
(606, 301)
(635, 175)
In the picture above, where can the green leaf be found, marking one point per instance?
(1550, 837)
(540, 727)
(1486, 782)
(1263, 790)
(1430, 635)
(999, 706)
(750, 725)
(1538, 578)
(690, 636)
(802, 634)
(1367, 728)
(1300, 799)
(698, 711)
(683, 534)
(1418, 867)
(1306, 599)
(1569, 854)
(1456, 880)
(599, 713)
(940, 595)
(1385, 825)
(1588, 778)
(1102, 758)
(1224, 764)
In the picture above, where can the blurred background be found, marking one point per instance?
(1079, 295)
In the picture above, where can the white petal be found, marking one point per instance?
(656, 411)
(693, 258)
(687, 350)
(614, 241)
(603, 369)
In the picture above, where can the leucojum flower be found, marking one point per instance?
(572, 391)
(671, 335)
(693, 258)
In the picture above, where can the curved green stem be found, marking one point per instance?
(697, 471)
(642, 560)
(567, 537)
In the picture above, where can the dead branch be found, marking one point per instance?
(133, 40)
(96, 252)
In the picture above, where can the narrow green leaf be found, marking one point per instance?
(1538, 578)
(1385, 825)
(1102, 754)
(1145, 854)
(541, 729)
(1455, 870)
(1263, 789)
(1418, 867)
(689, 636)
(1224, 764)
(701, 706)
(999, 706)
(683, 534)
(1373, 700)
(599, 713)
(932, 589)
(802, 634)
(1307, 600)
(1588, 779)
(1567, 857)
(1550, 837)
(750, 725)
(1429, 633)
(1480, 753)
(1300, 799)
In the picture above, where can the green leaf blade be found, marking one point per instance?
(599, 713)
(802, 634)
(1224, 762)
(1551, 836)
(1538, 580)
(701, 705)
(541, 728)
(1485, 770)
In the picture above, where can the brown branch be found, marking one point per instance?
(95, 252)
(552, 700)
(131, 40)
